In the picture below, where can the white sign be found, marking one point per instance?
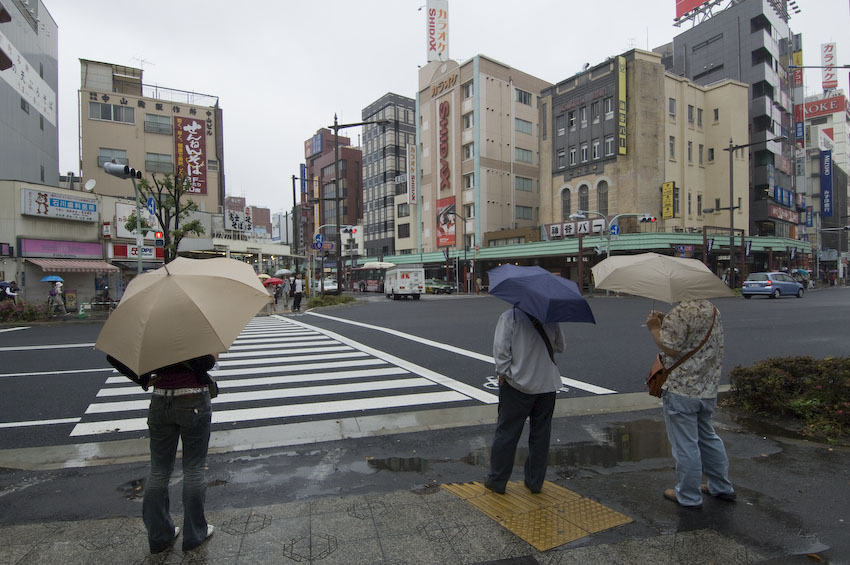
(437, 30)
(412, 189)
(58, 206)
(146, 251)
(827, 60)
(825, 142)
(123, 213)
(27, 82)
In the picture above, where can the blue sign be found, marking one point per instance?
(826, 184)
(615, 229)
(320, 239)
(809, 216)
(151, 205)
(799, 132)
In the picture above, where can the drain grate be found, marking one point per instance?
(554, 517)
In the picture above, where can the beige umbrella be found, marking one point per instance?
(264, 276)
(660, 277)
(188, 308)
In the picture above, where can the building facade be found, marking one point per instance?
(29, 82)
(386, 195)
(751, 42)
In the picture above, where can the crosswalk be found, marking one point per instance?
(283, 370)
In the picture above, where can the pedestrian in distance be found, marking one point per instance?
(55, 300)
(180, 409)
(284, 292)
(528, 382)
(298, 286)
(689, 398)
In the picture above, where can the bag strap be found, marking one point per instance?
(539, 327)
(698, 347)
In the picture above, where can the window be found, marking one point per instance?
(608, 104)
(690, 114)
(403, 210)
(25, 106)
(602, 198)
(524, 184)
(594, 112)
(560, 122)
(543, 119)
(672, 107)
(106, 155)
(469, 151)
(524, 213)
(571, 118)
(403, 231)
(609, 145)
(560, 158)
(582, 116)
(594, 150)
(523, 126)
(690, 152)
(573, 155)
(41, 122)
(710, 154)
(468, 181)
(212, 165)
(468, 120)
(523, 97)
(716, 203)
(469, 211)
(699, 117)
(111, 112)
(583, 198)
(584, 156)
(158, 163)
(699, 204)
(689, 203)
(672, 147)
(523, 155)
(467, 90)
(717, 114)
(566, 207)
(155, 123)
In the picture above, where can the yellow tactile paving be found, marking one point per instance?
(551, 518)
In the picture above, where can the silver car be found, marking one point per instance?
(773, 285)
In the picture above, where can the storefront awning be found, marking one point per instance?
(72, 266)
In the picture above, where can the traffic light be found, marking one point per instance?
(158, 239)
(648, 218)
(350, 230)
(121, 171)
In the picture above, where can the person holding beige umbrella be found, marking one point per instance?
(167, 332)
(691, 339)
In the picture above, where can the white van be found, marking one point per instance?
(404, 281)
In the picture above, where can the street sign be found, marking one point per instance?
(328, 246)
(151, 205)
(615, 229)
(320, 239)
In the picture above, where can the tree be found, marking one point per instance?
(173, 206)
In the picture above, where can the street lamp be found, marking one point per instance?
(336, 127)
(731, 149)
(125, 172)
(463, 239)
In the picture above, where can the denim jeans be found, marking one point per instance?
(169, 418)
(514, 407)
(697, 449)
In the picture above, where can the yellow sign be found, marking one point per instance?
(667, 190)
(621, 105)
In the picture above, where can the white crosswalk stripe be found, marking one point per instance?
(283, 369)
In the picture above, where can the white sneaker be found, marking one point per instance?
(210, 530)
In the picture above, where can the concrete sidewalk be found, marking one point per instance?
(381, 500)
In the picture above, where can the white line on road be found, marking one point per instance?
(39, 423)
(294, 359)
(326, 347)
(15, 329)
(42, 373)
(35, 347)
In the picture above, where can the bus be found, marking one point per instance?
(369, 277)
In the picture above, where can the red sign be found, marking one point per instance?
(446, 221)
(782, 213)
(190, 147)
(825, 106)
(683, 6)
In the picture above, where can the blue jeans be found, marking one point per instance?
(514, 407)
(697, 449)
(169, 418)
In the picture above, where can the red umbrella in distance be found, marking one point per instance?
(272, 280)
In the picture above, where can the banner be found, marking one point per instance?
(437, 30)
(27, 82)
(446, 222)
(190, 149)
(667, 190)
(826, 184)
(52, 205)
(412, 189)
(829, 79)
(621, 105)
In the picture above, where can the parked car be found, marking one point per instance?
(330, 287)
(772, 284)
(436, 286)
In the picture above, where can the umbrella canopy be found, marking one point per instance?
(282, 273)
(52, 278)
(188, 308)
(264, 276)
(378, 265)
(660, 277)
(3, 284)
(539, 293)
(272, 280)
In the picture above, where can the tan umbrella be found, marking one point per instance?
(660, 277)
(264, 276)
(188, 308)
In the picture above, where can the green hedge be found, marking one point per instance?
(329, 300)
(21, 312)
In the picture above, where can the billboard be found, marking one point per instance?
(829, 78)
(826, 184)
(46, 204)
(437, 30)
(685, 6)
(27, 81)
(621, 105)
(667, 190)
(446, 222)
(825, 107)
(190, 149)
(412, 189)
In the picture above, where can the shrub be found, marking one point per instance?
(329, 300)
(21, 312)
(815, 392)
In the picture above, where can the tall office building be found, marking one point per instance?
(750, 41)
(386, 189)
(29, 81)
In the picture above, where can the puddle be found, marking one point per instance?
(133, 490)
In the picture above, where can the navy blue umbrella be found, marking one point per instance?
(539, 293)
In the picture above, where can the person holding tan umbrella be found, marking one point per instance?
(167, 332)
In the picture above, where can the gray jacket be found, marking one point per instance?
(521, 355)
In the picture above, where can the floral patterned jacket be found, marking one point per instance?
(682, 330)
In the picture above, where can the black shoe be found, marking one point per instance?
(173, 539)
(493, 487)
(533, 491)
(728, 496)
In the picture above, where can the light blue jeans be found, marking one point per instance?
(697, 449)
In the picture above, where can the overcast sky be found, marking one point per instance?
(281, 69)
